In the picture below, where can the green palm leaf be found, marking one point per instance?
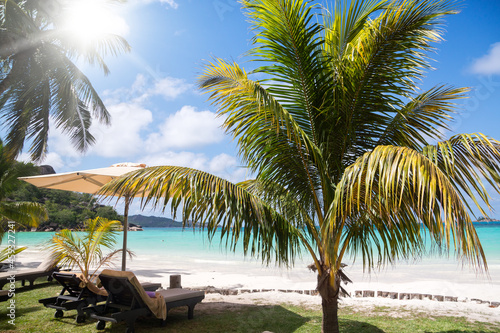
(86, 250)
(213, 203)
(8, 252)
(392, 190)
(22, 214)
(40, 82)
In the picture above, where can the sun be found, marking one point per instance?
(89, 20)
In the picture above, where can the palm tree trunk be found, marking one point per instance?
(330, 323)
(329, 302)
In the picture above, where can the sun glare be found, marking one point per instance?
(88, 20)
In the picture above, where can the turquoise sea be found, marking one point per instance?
(189, 243)
(161, 252)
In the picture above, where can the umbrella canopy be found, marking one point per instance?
(89, 181)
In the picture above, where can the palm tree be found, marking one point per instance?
(346, 156)
(15, 214)
(40, 83)
(86, 251)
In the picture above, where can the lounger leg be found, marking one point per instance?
(130, 326)
(191, 311)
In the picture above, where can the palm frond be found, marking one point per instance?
(86, 251)
(379, 74)
(391, 190)
(8, 252)
(215, 204)
(423, 118)
(24, 213)
(469, 160)
(274, 142)
(40, 80)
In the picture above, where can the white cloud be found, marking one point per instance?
(54, 160)
(170, 87)
(61, 143)
(122, 138)
(170, 3)
(222, 165)
(227, 167)
(185, 159)
(187, 128)
(24, 157)
(143, 88)
(489, 63)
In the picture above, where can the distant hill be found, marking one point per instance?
(154, 221)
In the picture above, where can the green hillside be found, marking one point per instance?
(70, 209)
(154, 221)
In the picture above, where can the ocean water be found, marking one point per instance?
(188, 243)
(161, 252)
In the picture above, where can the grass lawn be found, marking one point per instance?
(31, 316)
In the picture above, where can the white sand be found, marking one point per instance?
(435, 277)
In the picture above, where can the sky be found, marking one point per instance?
(159, 117)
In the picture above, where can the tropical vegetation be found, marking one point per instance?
(85, 250)
(39, 82)
(15, 214)
(350, 158)
(66, 210)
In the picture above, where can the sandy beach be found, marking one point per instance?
(249, 282)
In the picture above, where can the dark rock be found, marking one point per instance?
(46, 170)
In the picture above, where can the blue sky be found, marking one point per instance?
(160, 118)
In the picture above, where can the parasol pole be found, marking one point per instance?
(125, 229)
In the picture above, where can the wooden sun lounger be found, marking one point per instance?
(4, 295)
(127, 303)
(75, 297)
(71, 297)
(46, 268)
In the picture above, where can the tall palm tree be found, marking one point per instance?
(39, 81)
(346, 156)
(12, 213)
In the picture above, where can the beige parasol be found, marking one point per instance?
(89, 181)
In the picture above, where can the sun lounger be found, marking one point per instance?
(128, 301)
(46, 268)
(4, 295)
(77, 295)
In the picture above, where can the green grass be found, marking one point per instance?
(31, 316)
